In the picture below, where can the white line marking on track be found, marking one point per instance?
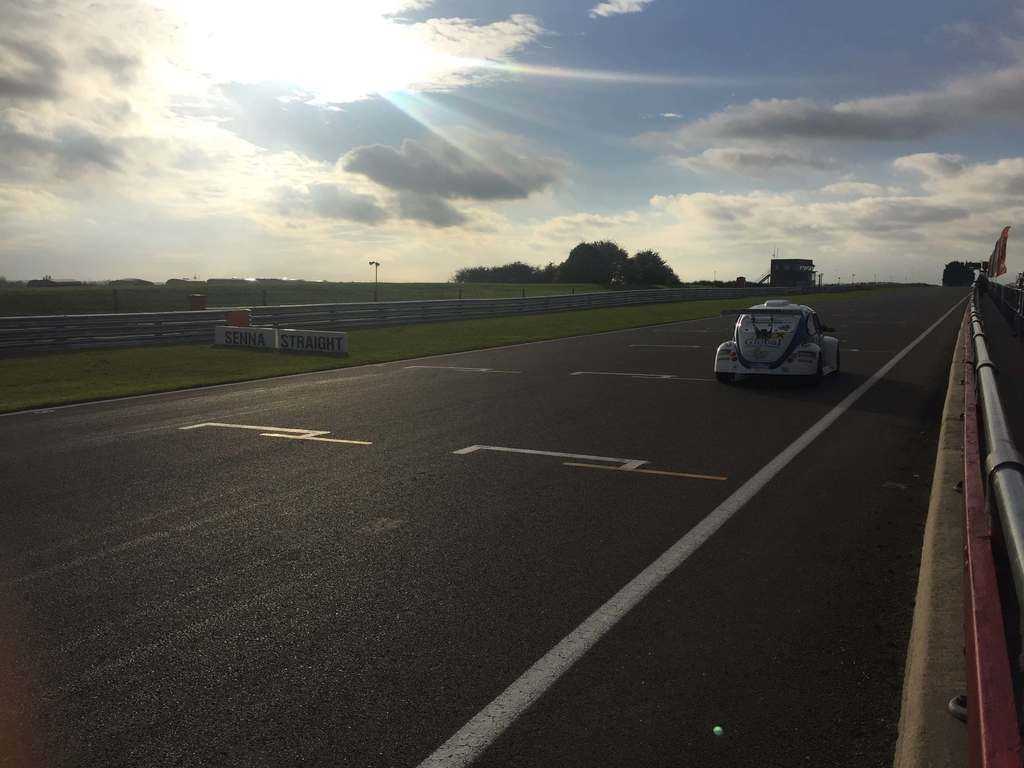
(316, 439)
(661, 376)
(458, 368)
(494, 719)
(668, 346)
(291, 433)
(664, 472)
(626, 463)
(289, 430)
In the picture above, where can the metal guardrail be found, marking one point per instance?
(42, 332)
(1010, 301)
(1004, 464)
(993, 491)
(993, 726)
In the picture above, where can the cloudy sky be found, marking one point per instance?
(303, 139)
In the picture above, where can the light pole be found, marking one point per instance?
(376, 266)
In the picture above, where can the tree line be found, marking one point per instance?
(602, 261)
(960, 272)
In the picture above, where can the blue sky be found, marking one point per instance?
(175, 137)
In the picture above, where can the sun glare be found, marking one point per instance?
(338, 52)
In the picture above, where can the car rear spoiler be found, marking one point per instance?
(760, 311)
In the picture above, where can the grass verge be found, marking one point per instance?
(56, 378)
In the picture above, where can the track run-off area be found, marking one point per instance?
(575, 552)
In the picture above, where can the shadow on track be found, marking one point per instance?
(888, 396)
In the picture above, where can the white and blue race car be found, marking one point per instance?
(777, 338)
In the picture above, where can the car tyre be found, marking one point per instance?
(816, 378)
(725, 378)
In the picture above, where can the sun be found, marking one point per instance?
(337, 52)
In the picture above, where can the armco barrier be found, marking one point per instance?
(79, 331)
(993, 730)
(1010, 301)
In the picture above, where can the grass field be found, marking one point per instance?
(166, 298)
(54, 378)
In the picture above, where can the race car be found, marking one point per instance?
(777, 338)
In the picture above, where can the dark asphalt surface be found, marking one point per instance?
(212, 596)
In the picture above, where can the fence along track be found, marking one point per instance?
(45, 332)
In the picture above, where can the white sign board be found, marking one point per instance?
(252, 338)
(319, 342)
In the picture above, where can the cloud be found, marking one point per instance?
(68, 152)
(768, 217)
(931, 164)
(873, 215)
(967, 101)
(123, 68)
(436, 167)
(580, 226)
(29, 70)
(752, 162)
(981, 185)
(406, 6)
(279, 118)
(618, 7)
(859, 189)
(464, 38)
(429, 209)
(330, 201)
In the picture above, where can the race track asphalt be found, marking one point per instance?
(214, 596)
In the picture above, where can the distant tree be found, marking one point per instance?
(648, 268)
(602, 262)
(597, 262)
(958, 273)
(550, 273)
(515, 272)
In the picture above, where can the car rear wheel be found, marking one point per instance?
(726, 378)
